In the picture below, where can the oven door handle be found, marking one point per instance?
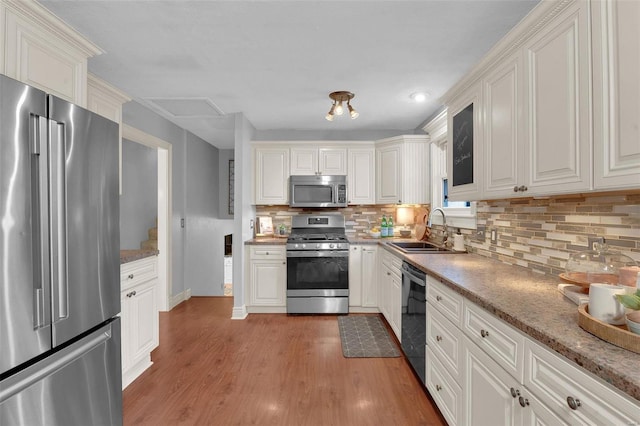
(321, 253)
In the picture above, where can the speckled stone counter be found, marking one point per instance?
(531, 303)
(127, 256)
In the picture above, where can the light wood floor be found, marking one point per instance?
(268, 370)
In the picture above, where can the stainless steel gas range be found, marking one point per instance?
(318, 265)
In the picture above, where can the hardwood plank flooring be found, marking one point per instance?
(268, 370)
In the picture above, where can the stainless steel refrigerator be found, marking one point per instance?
(59, 262)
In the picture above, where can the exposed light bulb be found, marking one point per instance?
(338, 108)
(352, 112)
(331, 112)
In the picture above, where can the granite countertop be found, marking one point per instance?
(267, 241)
(127, 256)
(531, 302)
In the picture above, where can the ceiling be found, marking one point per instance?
(198, 62)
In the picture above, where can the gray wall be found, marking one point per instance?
(194, 199)
(139, 199)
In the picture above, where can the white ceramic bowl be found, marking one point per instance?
(374, 234)
(633, 326)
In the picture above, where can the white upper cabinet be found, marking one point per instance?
(41, 50)
(402, 170)
(557, 104)
(361, 175)
(616, 100)
(318, 161)
(464, 145)
(271, 169)
(503, 139)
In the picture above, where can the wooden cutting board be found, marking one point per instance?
(422, 232)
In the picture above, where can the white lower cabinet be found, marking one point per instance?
(483, 372)
(390, 290)
(267, 279)
(140, 320)
(363, 289)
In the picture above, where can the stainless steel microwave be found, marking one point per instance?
(317, 191)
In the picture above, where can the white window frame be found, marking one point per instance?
(457, 217)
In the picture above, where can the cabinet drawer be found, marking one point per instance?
(138, 271)
(446, 393)
(267, 252)
(448, 302)
(557, 382)
(497, 338)
(445, 340)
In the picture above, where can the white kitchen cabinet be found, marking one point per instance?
(267, 278)
(140, 318)
(362, 278)
(557, 104)
(459, 151)
(446, 342)
(271, 178)
(361, 175)
(487, 398)
(106, 100)
(504, 149)
(41, 50)
(402, 170)
(616, 94)
(577, 397)
(390, 290)
(318, 161)
(444, 389)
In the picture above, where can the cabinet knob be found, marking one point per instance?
(388, 273)
(399, 201)
(131, 294)
(284, 263)
(438, 338)
(439, 298)
(267, 253)
(438, 388)
(523, 401)
(484, 333)
(515, 188)
(515, 393)
(130, 276)
(573, 403)
(522, 188)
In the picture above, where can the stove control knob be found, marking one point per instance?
(317, 246)
(295, 246)
(304, 246)
(331, 246)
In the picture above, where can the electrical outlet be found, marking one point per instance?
(593, 241)
(494, 236)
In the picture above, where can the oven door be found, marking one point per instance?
(322, 273)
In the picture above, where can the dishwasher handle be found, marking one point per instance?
(414, 274)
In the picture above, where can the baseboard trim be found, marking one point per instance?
(179, 298)
(239, 312)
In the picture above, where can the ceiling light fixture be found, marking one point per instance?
(337, 108)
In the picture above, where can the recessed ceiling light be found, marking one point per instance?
(419, 96)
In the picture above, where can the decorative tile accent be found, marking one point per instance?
(364, 336)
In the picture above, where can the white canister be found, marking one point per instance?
(603, 304)
(458, 242)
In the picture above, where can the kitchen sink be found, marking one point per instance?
(419, 247)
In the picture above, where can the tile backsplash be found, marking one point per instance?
(539, 234)
(358, 219)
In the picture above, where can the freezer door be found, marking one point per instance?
(85, 227)
(80, 384)
(24, 265)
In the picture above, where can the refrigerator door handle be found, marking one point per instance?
(40, 235)
(13, 388)
(58, 221)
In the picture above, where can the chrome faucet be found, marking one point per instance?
(444, 223)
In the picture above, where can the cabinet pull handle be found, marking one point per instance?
(438, 388)
(130, 276)
(573, 403)
(438, 338)
(523, 402)
(484, 333)
(439, 298)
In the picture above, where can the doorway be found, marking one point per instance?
(165, 156)
(228, 265)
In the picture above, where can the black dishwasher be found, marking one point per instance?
(414, 317)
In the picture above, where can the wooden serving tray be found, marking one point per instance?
(615, 334)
